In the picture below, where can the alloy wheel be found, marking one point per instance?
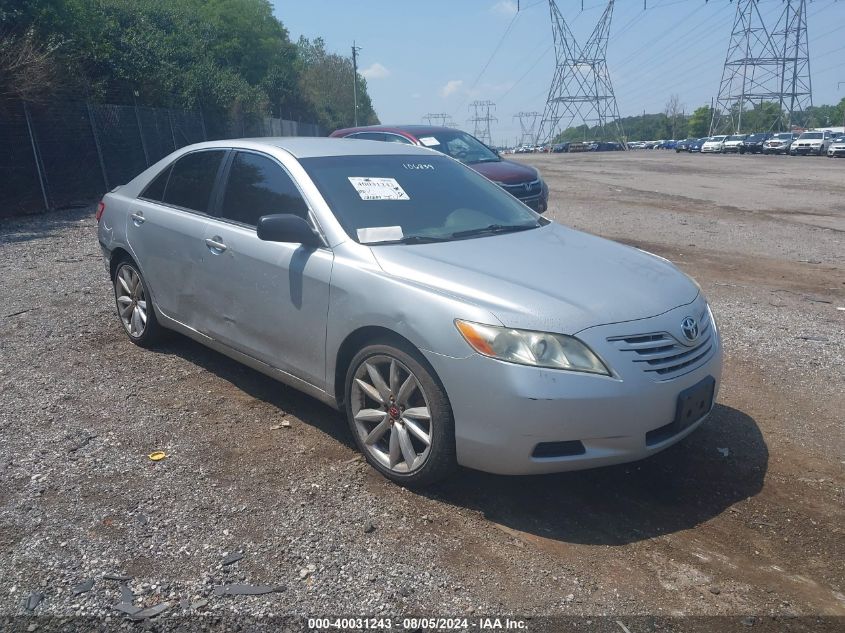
(131, 300)
(391, 414)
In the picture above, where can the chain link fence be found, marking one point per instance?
(63, 154)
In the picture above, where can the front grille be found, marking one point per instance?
(524, 189)
(662, 356)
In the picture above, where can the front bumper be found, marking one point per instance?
(836, 151)
(804, 150)
(504, 411)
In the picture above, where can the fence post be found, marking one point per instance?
(170, 120)
(41, 175)
(202, 121)
(97, 144)
(140, 130)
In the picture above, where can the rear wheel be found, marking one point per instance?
(134, 305)
(399, 415)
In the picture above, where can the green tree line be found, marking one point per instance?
(224, 56)
(675, 124)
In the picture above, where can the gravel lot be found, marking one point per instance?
(745, 517)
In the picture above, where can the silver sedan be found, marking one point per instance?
(451, 323)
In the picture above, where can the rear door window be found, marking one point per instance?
(192, 179)
(259, 186)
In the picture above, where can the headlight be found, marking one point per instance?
(526, 347)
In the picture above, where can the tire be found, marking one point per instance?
(400, 452)
(134, 305)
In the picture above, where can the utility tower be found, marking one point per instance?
(528, 125)
(482, 116)
(581, 90)
(765, 63)
(442, 119)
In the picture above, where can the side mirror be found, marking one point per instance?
(286, 227)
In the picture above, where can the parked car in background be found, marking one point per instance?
(578, 146)
(683, 146)
(779, 143)
(713, 145)
(754, 143)
(811, 143)
(837, 147)
(408, 292)
(696, 145)
(559, 148)
(735, 143)
(521, 181)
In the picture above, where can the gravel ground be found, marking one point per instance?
(743, 518)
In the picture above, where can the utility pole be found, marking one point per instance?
(441, 119)
(765, 62)
(481, 119)
(843, 107)
(527, 123)
(355, 50)
(581, 88)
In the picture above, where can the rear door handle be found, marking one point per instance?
(215, 245)
(137, 218)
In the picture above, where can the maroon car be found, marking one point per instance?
(521, 181)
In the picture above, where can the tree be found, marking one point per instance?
(327, 83)
(674, 110)
(699, 122)
(221, 55)
(26, 68)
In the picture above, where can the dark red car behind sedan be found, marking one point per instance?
(521, 181)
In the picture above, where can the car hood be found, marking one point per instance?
(552, 278)
(506, 171)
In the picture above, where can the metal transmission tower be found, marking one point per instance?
(442, 119)
(764, 64)
(481, 119)
(527, 123)
(581, 88)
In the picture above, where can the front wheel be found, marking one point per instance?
(399, 415)
(134, 305)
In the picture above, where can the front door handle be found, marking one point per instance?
(215, 244)
(137, 218)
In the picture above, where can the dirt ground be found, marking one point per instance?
(746, 516)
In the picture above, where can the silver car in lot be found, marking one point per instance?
(448, 321)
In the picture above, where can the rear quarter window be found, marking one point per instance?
(192, 179)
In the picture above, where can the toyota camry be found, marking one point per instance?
(449, 322)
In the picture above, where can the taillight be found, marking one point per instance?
(101, 206)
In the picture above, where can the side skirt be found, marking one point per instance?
(268, 370)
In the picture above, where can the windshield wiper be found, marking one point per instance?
(495, 228)
(411, 239)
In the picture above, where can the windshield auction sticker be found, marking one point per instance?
(429, 141)
(378, 188)
(380, 234)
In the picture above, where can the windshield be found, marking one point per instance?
(757, 137)
(718, 138)
(812, 135)
(736, 137)
(412, 198)
(783, 136)
(460, 145)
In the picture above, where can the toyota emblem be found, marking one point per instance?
(689, 326)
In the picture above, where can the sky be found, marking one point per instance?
(437, 56)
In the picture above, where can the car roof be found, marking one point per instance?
(314, 147)
(410, 130)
